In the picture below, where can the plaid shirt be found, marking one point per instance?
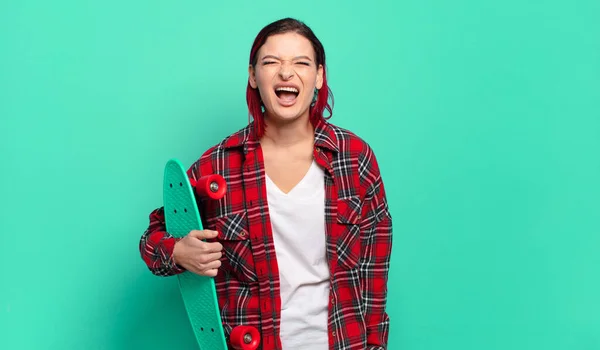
(358, 228)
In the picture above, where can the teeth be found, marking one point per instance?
(289, 89)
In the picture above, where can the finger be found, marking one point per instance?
(211, 265)
(201, 269)
(210, 273)
(212, 247)
(210, 257)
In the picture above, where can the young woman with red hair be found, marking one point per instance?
(300, 244)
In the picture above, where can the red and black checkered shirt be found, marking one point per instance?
(358, 229)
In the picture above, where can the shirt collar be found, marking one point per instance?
(325, 136)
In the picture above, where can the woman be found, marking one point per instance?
(300, 244)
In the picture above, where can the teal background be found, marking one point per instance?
(484, 116)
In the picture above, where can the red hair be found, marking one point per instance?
(255, 107)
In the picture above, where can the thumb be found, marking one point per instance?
(203, 234)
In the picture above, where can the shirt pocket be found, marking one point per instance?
(348, 243)
(237, 260)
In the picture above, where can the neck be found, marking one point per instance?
(288, 134)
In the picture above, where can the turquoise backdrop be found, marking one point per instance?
(484, 115)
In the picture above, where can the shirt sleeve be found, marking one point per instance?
(376, 230)
(156, 246)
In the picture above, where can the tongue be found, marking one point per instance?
(287, 96)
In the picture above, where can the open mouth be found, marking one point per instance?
(287, 94)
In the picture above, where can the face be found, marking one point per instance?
(286, 75)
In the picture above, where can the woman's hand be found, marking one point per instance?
(197, 256)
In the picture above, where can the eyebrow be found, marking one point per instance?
(295, 58)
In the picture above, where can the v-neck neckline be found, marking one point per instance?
(297, 185)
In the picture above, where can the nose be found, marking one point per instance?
(286, 72)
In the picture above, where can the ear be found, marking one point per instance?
(319, 82)
(252, 77)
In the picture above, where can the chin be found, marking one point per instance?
(288, 114)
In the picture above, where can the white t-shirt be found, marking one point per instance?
(298, 222)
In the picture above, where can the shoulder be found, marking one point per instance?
(353, 160)
(209, 160)
(354, 148)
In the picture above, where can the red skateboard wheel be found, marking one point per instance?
(245, 338)
(211, 186)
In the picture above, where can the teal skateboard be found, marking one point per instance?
(199, 292)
